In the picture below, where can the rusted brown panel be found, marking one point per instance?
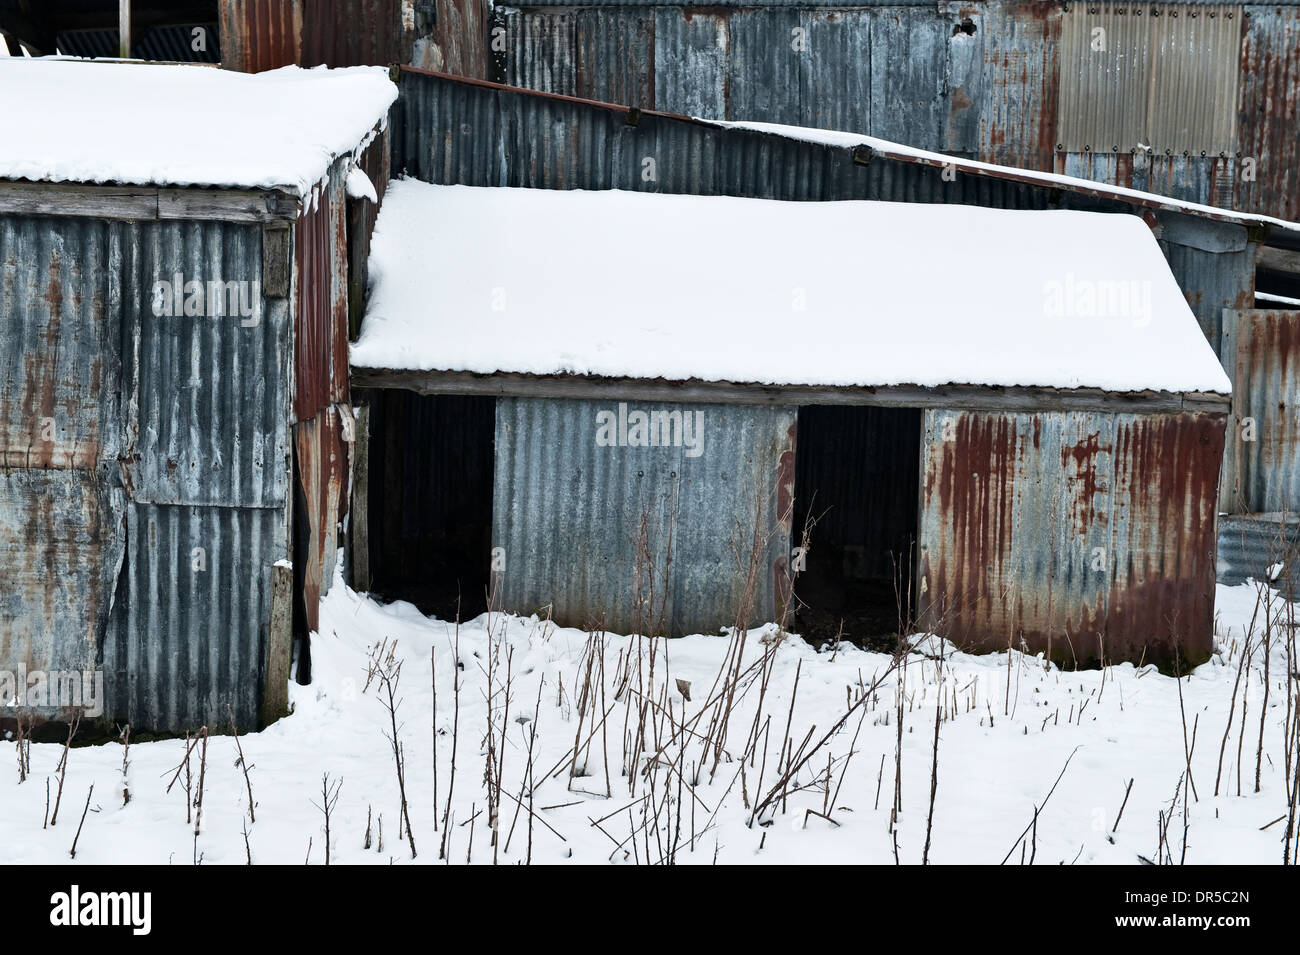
(1021, 77)
(322, 455)
(1270, 103)
(614, 56)
(321, 302)
(1071, 533)
(352, 32)
(1165, 536)
(259, 35)
(458, 41)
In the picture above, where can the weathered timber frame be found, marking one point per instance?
(953, 397)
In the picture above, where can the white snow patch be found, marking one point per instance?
(1010, 725)
(359, 185)
(156, 125)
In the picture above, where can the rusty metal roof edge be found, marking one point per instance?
(900, 152)
(971, 397)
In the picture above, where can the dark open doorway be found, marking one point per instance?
(856, 490)
(430, 508)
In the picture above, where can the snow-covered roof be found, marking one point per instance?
(154, 125)
(861, 293)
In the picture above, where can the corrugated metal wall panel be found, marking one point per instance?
(352, 33)
(541, 52)
(569, 515)
(764, 70)
(321, 298)
(1054, 528)
(60, 550)
(614, 56)
(1265, 443)
(1165, 533)
(1251, 544)
(211, 391)
(454, 36)
(185, 642)
(690, 62)
(836, 91)
(259, 35)
(1270, 103)
(59, 301)
(1211, 282)
(1017, 118)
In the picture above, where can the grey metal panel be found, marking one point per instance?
(1263, 351)
(837, 70)
(186, 642)
(60, 549)
(1211, 282)
(211, 390)
(576, 521)
(613, 56)
(764, 66)
(1017, 118)
(1146, 76)
(59, 301)
(1250, 544)
(541, 51)
(908, 94)
(690, 62)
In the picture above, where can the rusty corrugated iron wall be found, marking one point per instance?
(144, 493)
(629, 537)
(1076, 533)
(1263, 469)
(448, 35)
(1202, 87)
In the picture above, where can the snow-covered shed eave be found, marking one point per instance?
(948, 397)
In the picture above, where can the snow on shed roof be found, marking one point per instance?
(860, 293)
(153, 125)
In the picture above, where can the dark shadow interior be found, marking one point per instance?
(431, 462)
(856, 492)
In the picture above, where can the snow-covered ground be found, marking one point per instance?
(1007, 730)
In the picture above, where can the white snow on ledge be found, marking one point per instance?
(651, 286)
(155, 125)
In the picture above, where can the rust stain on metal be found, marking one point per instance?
(1071, 532)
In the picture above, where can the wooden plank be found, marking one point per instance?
(953, 397)
(228, 205)
(147, 203)
(1280, 260)
(61, 199)
(359, 511)
(279, 644)
(277, 268)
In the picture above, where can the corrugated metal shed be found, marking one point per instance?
(1005, 81)
(631, 538)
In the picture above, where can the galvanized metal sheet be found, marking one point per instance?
(60, 548)
(1264, 348)
(320, 299)
(209, 367)
(59, 300)
(690, 62)
(1070, 533)
(1259, 547)
(190, 634)
(1149, 76)
(628, 536)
